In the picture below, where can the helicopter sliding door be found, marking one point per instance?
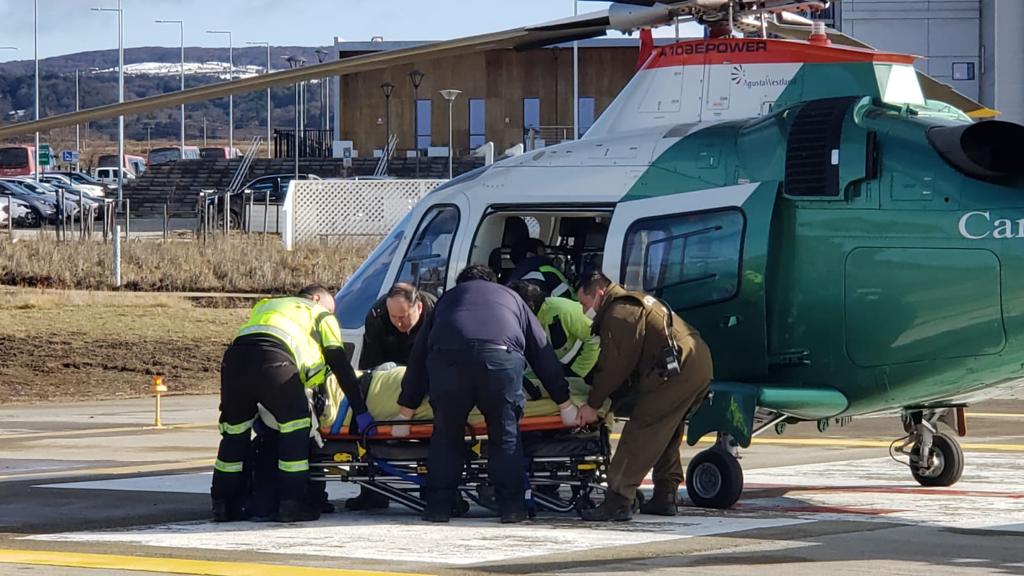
(704, 253)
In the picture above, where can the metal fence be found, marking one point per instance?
(326, 210)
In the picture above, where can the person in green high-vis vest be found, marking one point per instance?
(567, 326)
(285, 347)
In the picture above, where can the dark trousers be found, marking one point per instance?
(490, 379)
(265, 374)
(264, 499)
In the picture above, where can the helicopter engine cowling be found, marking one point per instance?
(628, 17)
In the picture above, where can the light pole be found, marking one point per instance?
(575, 79)
(35, 51)
(321, 55)
(231, 97)
(78, 127)
(120, 99)
(181, 37)
(450, 96)
(416, 77)
(387, 88)
(296, 62)
(267, 44)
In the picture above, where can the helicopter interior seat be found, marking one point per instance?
(582, 240)
(500, 259)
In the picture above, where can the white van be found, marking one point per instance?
(108, 175)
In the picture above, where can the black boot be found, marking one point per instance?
(663, 503)
(297, 511)
(615, 508)
(367, 500)
(226, 511)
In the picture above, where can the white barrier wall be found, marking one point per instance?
(321, 210)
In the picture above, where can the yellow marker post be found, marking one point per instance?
(158, 388)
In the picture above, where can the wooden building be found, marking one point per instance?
(507, 97)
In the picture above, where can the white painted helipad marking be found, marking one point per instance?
(403, 538)
(989, 497)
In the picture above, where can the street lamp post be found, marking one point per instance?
(450, 96)
(120, 100)
(416, 77)
(387, 88)
(296, 62)
(35, 50)
(576, 79)
(181, 37)
(78, 127)
(321, 55)
(267, 44)
(231, 97)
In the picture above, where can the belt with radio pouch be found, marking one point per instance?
(668, 360)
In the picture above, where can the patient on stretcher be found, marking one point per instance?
(382, 386)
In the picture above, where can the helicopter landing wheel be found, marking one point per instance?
(941, 466)
(714, 479)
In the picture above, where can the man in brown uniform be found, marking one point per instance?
(667, 369)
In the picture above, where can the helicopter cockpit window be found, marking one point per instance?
(426, 262)
(361, 289)
(688, 260)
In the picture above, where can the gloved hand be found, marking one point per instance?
(402, 430)
(570, 413)
(365, 423)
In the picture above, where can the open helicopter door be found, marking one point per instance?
(704, 253)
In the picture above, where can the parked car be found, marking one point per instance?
(24, 216)
(108, 175)
(41, 210)
(72, 196)
(276, 185)
(84, 180)
(66, 182)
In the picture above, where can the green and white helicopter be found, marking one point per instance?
(844, 234)
(845, 245)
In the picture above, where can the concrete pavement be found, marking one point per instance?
(92, 488)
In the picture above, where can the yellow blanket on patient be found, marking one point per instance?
(386, 385)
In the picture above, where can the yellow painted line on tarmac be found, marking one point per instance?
(101, 431)
(131, 469)
(857, 443)
(171, 565)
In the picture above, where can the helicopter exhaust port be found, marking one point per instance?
(987, 151)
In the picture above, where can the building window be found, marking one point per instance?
(586, 108)
(688, 260)
(963, 70)
(423, 134)
(477, 123)
(531, 113)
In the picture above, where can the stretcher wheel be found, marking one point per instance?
(714, 479)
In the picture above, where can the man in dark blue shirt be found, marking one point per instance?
(473, 351)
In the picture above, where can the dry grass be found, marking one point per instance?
(239, 265)
(69, 346)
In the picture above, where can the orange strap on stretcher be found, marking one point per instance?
(423, 431)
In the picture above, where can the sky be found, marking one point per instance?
(69, 26)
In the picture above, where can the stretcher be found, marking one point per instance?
(565, 467)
